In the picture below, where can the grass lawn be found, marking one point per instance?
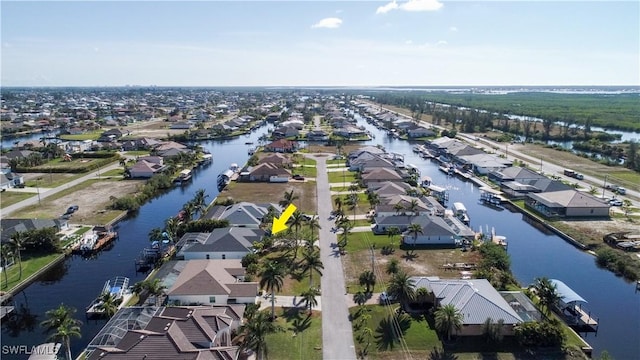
(91, 135)
(260, 192)
(418, 336)
(337, 163)
(301, 338)
(114, 172)
(137, 152)
(9, 197)
(362, 208)
(305, 170)
(49, 180)
(341, 176)
(343, 188)
(30, 265)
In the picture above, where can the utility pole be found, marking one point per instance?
(604, 186)
(38, 188)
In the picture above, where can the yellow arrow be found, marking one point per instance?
(280, 223)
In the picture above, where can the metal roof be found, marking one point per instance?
(567, 295)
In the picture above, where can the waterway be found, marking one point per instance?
(77, 281)
(534, 253)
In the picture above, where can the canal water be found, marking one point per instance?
(77, 281)
(534, 253)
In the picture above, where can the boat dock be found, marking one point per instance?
(118, 287)
(94, 240)
(569, 308)
(5, 310)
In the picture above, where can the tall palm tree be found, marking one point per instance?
(399, 208)
(352, 202)
(254, 333)
(295, 221)
(368, 279)
(309, 297)
(189, 209)
(374, 199)
(401, 288)
(5, 253)
(62, 322)
(272, 278)
(314, 224)
(108, 304)
(155, 288)
(200, 202)
(18, 239)
(155, 234)
(171, 227)
(287, 199)
(414, 230)
(422, 295)
(547, 293)
(392, 231)
(412, 207)
(311, 263)
(338, 203)
(448, 319)
(346, 226)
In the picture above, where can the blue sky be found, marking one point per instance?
(323, 43)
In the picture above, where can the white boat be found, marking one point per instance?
(118, 287)
(460, 211)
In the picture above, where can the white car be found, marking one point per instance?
(386, 298)
(615, 202)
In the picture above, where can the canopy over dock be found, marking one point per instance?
(566, 294)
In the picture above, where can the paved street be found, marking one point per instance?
(337, 337)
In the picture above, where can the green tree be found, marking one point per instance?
(360, 298)
(401, 287)
(65, 326)
(547, 293)
(309, 297)
(448, 319)
(108, 304)
(254, 333)
(155, 288)
(200, 202)
(272, 278)
(415, 230)
(288, 198)
(392, 231)
(368, 279)
(393, 266)
(17, 242)
(311, 263)
(295, 221)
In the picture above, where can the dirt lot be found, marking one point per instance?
(92, 198)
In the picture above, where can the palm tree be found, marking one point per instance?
(399, 208)
(311, 263)
(18, 239)
(414, 230)
(108, 304)
(155, 288)
(374, 199)
(295, 221)
(412, 207)
(254, 333)
(338, 203)
(392, 231)
(360, 298)
(272, 279)
(200, 202)
(352, 201)
(288, 199)
(401, 288)
(448, 319)
(314, 224)
(61, 320)
(6, 253)
(367, 278)
(310, 298)
(422, 295)
(189, 210)
(393, 266)
(155, 234)
(547, 293)
(171, 227)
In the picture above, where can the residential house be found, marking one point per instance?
(12, 226)
(567, 203)
(368, 160)
(175, 332)
(267, 172)
(317, 135)
(221, 243)
(277, 159)
(420, 131)
(483, 163)
(242, 214)
(389, 188)
(145, 169)
(380, 175)
(477, 300)
(180, 125)
(439, 231)
(281, 145)
(285, 132)
(514, 173)
(203, 282)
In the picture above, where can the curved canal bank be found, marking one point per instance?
(535, 252)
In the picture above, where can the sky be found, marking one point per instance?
(319, 43)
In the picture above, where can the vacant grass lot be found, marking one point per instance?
(9, 197)
(301, 338)
(425, 262)
(341, 176)
(259, 192)
(90, 135)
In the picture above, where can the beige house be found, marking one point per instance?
(567, 203)
(211, 282)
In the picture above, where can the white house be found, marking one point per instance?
(211, 282)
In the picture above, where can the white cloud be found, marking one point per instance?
(441, 43)
(408, 42)
(411, 5)
(386, 8)
(328, 23)
(453, 29)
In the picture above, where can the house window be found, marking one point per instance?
(212, 299)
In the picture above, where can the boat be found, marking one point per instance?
(251, 151)
(118, 287)
(460, 211)
(249, 143)
(95, 240)
(447, 169)
(185, 176)
(491, 197)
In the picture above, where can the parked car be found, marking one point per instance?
(386, 298)
(72, 209)
(298, 177)
(615, 202)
